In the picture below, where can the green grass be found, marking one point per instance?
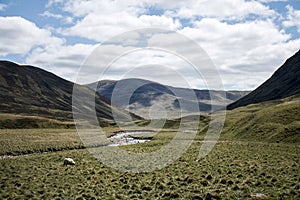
(274, 121)
(25, 141)
(15, 121)
(258, 152)
(231, 171)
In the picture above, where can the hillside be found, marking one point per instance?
(30, 91)
(283, 83)
(152, 95)
(272, 121)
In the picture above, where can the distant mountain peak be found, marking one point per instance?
(148, 95)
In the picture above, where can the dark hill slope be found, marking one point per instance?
(284, 82)
(28, 90)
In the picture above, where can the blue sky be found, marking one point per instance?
(247, 40)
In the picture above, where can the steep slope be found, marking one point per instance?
(284, 82)
(31, 91)
(150, 95)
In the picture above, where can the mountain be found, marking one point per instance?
(283, 83)
(31, 91)
(154, 97)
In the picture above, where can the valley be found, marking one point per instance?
(239, 167)
(256, 155)
(150, 100)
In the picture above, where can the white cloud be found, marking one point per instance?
(293, 18)
(258, 64)
(240, 36)
(49, 14)
(52, 2)
(82, 8)
(2, 6)
(100, 27)
(230, 41)
(19, 36)
(250, 49)
(68, 20)
(102, 19)
(151, 64)
(63, 60)
(42, 49)
(268, 1)
(165, 63)
(222, 9)
(246, 51)
(63, 19)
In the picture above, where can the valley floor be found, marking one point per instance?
(232, 170)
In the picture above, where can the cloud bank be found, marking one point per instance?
(247, 40)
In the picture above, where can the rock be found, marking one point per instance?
(69, 161)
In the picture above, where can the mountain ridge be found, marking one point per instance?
(148, 94)
(32, 91)
(284, 82)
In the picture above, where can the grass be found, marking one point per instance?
(25, 141)
(232, 170)
(258, 152)
(273, 121)
(15, 121)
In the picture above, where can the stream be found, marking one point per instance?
(130, 137)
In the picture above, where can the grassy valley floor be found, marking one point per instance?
(233, 170)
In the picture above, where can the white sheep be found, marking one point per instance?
(69, 161)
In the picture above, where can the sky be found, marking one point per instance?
(247, 40)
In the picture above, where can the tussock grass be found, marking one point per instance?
(230, 171)
(25, 141)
